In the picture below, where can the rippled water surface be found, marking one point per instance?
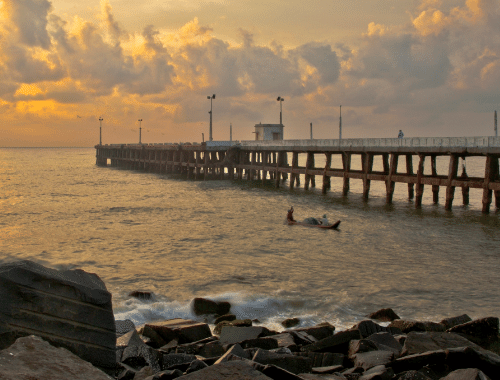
(227, 240)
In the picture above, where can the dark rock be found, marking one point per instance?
(234, 323)
(171, 360)
(212, 349)
(123, 327)
(386, 341)
(417, 361)
(419, 342)
(202, 306)
(264, 343)
(302, 338)
(384, 315)
(407, 326)
(290, 322)
(358, 346)
(468, 357)
(292, 363)
(165, 375)
(448, 323)
(69, 308)
(367, 360)
(278, 373)
(235, 350)
(319, 332)
(225, 317)
(323, 359)
(412, 375)
(141, 295)
(482, 331)
(286, 340)
(466, 374)
(196, 365)
(229, 370)
(184, 330)
(155, 339)
(327, 370)
(138, 355)
(31, 357)
(125, 372)
(335, 343)
(378, 373)
(233, 334)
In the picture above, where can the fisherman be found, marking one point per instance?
(289, 215)
(323, 220)
(400, 134)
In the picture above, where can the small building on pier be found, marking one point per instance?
(268, 131)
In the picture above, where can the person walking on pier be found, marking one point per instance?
(400, 134)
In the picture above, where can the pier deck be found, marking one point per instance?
(268, 160)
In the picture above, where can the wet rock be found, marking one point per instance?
(225, 317)
(468, 357)
(466, 374)
(172, 360)
(368, 327)
(367, 360)
(233, 334)
(265, 343)
(323, 359)
(234, 323)
(229, 370)
(417, 361)
(155, 339)
(165, 375)
(419, 342)
(137, 354)
(378, 373)
(327, 370)
(292, 363)
(448, 323)
(184, 330)
(384, 315)
(358, 346)
(123, 327)
(212, 349)
(319, 332)
(286, 340)
(68, 308)
(335, 343)
(196, 365)
(202, 306)
(407, 326)
(31, 357)
(387, 342)
(141, 295)
(144, 373)
(482, 331)
(412, 375)
(278, 373)
(290, 322)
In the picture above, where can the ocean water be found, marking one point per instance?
(226, 240)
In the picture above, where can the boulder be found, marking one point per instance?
(232, 334)
(165, 375)
(68, 308)
(419, 342)
(384, 315)
(229, 370)
(169, 361)
(466, 374)
(225, 317)
(368, 327)
(367, 360)
(292, 363)
(358, 346)
(212, 349)
(407, 326)
(203, 306)
(123, 327)
(235, 323)
(319, 332)
(31, 357)
(482, 331)
(448, 323)
(290, 322)
(468, 357)
(285, 340)
(147, 296)
(335, 343)
(417, 361)
(235, 350)
(387, 342)
(413, 375)
(136, 354)
(183, 330)
(265, 343)
(379, 372)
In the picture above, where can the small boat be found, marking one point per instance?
(325, 226)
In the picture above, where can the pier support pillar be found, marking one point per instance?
(309, 165)
(295, 164)
(452, 174)
(420, 187)
(435, 188)
(465, 189)
(490, 174)
(346, 164)
(326, 179)
(389, 184)
(367, 165)
(409, 171)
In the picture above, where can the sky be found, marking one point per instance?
(428, 67)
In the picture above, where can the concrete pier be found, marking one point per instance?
(267, 160)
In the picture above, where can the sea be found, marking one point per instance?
(227, 241)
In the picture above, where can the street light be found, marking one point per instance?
(280, 99)
(100, 130)
(140, 130)
(210, 112)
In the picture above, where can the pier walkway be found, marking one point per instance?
(269, 160)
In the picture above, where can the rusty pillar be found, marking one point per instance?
(327, 185)
(389, 184)
(367, 165)
(346, 164)
(435, 188)
(452, 174)
(409, 172)
(490, 174)
(420, 187)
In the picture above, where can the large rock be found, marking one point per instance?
(182, 330)
(407, 326)
(70, 309)
(202, 306)
(31, 357)
(482, 331)
(367, 360)
(232, 334)
(335, 343)
(292, 363)
(229, 370)
(419, 342)
(368, 327)
(466, 374)
(384, 315)
(448, 323)
(318, 332)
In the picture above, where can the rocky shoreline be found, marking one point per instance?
(81, 342)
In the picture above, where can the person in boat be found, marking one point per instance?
(311, 220)
(289, 215)
(323, 220)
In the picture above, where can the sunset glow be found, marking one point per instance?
(431, 69)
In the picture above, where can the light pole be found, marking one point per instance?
(100, 130)
(140, 130)
(340, 124)
(280, 99)
(210, 112)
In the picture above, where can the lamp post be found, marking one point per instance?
(210, 112)
(140, 131)
(280, 99)
(100, 130)
(495, 121)
(340, 124)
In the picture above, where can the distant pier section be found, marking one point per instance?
(268, 160)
